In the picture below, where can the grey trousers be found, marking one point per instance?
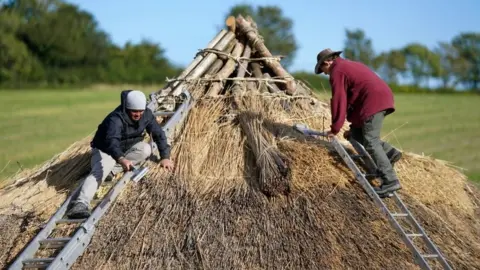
(369, 137)
(102, 164)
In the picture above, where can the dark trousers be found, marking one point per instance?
(369, 137)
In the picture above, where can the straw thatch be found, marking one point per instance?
(248, 192)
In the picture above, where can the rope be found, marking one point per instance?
(239, 58)
(230, 79)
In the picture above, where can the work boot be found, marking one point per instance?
(388, 187)
(394, 155)
(78, 211)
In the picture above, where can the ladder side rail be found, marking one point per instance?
(378, 201)
(81, 239)
(404, 209)
(180, 114)
(420, 229)
(367, 158)
(358, 174)
(34, 245)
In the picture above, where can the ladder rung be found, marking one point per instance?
(37, 262)
(61, 221)
(54, 242)
(430, 256)
(356, 156)
(163, 113)
(399, 215)
(414, 235)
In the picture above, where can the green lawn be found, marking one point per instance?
(37, 124)
(443, 126)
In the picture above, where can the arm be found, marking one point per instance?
(158, 136)
(338, 102)
(113, 136)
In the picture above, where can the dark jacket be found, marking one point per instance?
(357, 93)
(118, 132)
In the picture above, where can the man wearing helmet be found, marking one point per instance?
(364, 99)
(118, 145)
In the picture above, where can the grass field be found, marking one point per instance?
(443, 126)
(36, 124)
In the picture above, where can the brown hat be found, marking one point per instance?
(321, 56)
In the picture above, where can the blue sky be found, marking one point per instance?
(183, 27)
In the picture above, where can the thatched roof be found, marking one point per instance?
(228, 206)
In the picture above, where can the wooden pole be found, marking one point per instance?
(272, 87)
(226, 70)
(230, 22)
(257, 73)
(218, 64)
(244, 63)
(198, 58)
(206, 62)
(239, 87)
(257, 43)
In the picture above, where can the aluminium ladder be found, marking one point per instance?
(394, 218)
(68, 249)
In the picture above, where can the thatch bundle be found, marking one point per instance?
(248, 191)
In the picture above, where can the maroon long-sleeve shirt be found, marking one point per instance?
(357, 93)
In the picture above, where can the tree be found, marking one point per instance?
(138, 63)
(450, 64)
(57, 42)
(421, 63)
(468, 47)
(390, 64)
(17, 65)
(66, 37)
(358, 47)
(275, 28)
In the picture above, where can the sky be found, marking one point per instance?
(183, 27)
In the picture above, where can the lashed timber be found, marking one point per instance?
(272, 87)
(218, 64)
(198, 58)
(207, 61)
(257, 73)
(256, 42)
(239, 87)
(226, 70)
(230, 22)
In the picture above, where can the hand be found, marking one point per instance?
(126, 164)
(330, 135)
(167, 164)
(347, 134)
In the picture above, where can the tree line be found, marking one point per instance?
(51, 42)
(56, 43)
(454, 63)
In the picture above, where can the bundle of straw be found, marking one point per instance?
(273, 173)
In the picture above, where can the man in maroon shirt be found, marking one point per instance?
(364, 99)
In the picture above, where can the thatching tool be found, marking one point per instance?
(139, 173)
(309, 132)
(407, 237)
(69, 248)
